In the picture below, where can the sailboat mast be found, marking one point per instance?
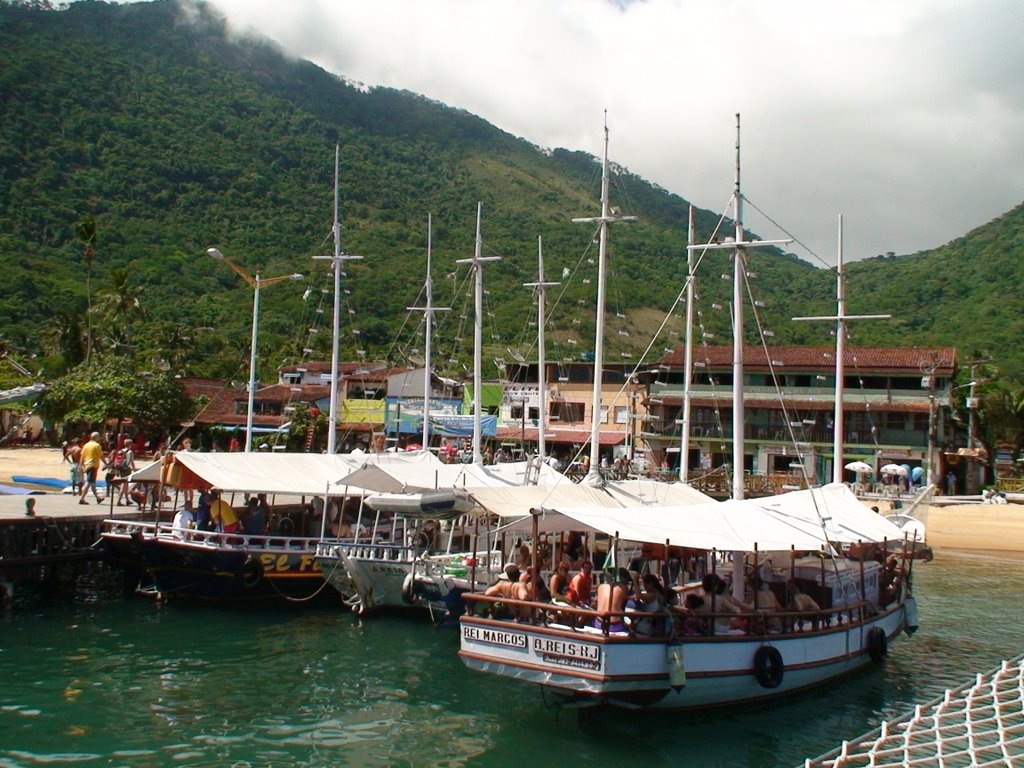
(594, 475)
(429, 318)
(739, 269)
(684, 449)
(840, 362)
(739, 247)
(478, 341)
(542, 404)
(337, 259)
(837, 441)
(428, 311)
(478, 262)
(332, 418)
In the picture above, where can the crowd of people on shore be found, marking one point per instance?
(88, 458)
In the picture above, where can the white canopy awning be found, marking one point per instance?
(834, 507)
(297, 474)
(764, 524)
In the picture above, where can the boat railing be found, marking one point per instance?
(367, 551)
(210, 539)
(461, 564)
(671, 623)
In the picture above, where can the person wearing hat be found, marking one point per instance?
(91, 459)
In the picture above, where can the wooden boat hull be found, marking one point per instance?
(588, 666)
(225, 568)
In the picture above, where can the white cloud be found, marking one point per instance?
(904, 115)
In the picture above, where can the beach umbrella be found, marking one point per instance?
(860, 467)
(893, 469)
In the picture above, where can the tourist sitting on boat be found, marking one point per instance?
(523, 557)
(526, 589)
(693, 620)
(558, 584)
(765, 601)
(652, 599)
(182, 523)
(202, 513)
(504, 586)
(581, 587)
(889, 582)
(256, 517)
(720, 603)
(611, 602)
(802, 603)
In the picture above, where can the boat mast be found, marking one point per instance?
(428, 316)
(540, 287)
(739, 247)
(739, 269)
(336, 262)
(840, 363)
(684, 449)
(478, 262)
(607, 215)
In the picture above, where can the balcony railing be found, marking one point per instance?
(767, 433)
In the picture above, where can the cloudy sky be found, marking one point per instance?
(905, 116)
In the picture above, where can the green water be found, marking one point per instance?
(112, 681)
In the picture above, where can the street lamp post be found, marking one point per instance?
(255, 283)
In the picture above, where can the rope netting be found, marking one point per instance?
(980, 723)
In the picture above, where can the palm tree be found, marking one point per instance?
(86, 232)
(119, 306)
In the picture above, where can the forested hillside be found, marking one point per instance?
(134, 137)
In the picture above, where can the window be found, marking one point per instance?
(621, 414)
(565, 411)
(604, 414)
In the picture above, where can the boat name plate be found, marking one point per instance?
(494, 637)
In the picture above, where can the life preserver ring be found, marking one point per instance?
(252, 571)
(409, 596)
(768, 666)
(878, 644)
(285, 526)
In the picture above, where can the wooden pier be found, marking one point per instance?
(62, 534)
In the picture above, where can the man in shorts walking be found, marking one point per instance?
(91, 461)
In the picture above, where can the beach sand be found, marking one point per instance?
(988, 527)
(32, 462)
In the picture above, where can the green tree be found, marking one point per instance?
(1000, 419)
(108, 392)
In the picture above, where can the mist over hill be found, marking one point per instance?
(169, 136)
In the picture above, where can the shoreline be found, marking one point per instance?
(960, 527)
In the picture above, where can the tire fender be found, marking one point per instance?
(409, 589)
(252, 571)
(768, 666)
(877, 644)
